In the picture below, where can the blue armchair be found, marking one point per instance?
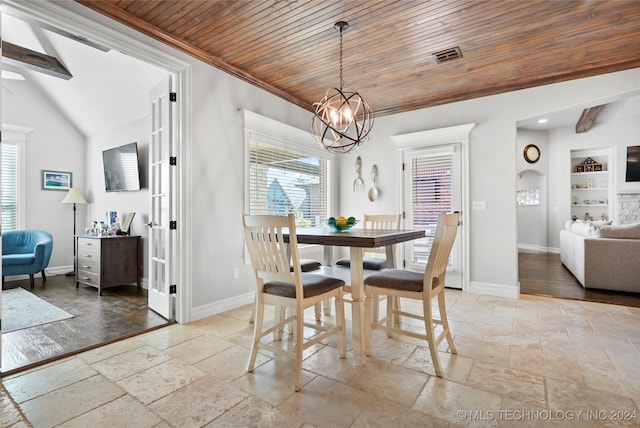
(26, 252)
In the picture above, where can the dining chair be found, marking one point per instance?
(376, 222)
(291, 292)
(417, 286)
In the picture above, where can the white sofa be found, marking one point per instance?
(602, 256)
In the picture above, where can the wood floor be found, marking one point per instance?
(544, 274)
(119, 313)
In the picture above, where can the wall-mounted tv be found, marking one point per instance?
(633, 163)
(121, 168)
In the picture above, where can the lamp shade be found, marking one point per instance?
(74, 196)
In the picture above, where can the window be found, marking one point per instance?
(431, 178)
(286, 172)
(10, 186)
(283, 181)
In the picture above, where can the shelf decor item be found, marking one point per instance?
(589, 165)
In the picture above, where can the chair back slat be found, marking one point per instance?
(380, 222)
(443, 241)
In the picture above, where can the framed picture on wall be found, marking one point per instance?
(55, 180)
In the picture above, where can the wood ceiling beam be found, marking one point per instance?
(587, 119)
(23, 57)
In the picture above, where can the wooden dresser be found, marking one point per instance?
(105, 262)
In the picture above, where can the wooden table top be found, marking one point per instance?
(355, 237)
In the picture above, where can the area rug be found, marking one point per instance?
(21, 309)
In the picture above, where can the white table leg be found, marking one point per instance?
(357, 307)
(328, 261)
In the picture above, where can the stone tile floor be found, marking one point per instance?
(535, 361)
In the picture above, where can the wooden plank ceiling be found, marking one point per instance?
(291, 49)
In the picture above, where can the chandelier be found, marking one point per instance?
(342, 119)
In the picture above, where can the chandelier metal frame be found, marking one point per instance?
(342, 119)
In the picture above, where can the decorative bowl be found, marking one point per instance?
(587, 201)
(343, 227)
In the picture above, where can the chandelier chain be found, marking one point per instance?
(341, 78)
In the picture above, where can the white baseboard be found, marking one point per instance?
(204, 311)
(538, 248)
(499, 290)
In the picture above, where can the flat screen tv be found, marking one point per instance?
(121, 168)
(633, 163)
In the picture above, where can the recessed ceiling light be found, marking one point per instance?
(11, 75)
(541, 121)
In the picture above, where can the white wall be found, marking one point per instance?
(54, 144)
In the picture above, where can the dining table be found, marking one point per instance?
(357, 240)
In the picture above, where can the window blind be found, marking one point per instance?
(283, 181)
(431, 194)
(9, 186)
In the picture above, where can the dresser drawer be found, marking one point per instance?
(88, 244)
(89, 278)
(87, 255)
(88, 265)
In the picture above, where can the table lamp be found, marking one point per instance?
(74, 196)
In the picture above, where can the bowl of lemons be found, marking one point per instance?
(341, 223)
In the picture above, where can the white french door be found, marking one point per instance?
(162, 210)
(432, 183)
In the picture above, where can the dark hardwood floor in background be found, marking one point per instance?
(119, 313)
(544, 274)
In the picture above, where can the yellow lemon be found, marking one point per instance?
(341, 221)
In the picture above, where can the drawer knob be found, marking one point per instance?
(86, 278)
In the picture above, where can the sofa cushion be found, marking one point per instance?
(623, 231)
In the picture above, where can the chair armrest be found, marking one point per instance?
(39, 252)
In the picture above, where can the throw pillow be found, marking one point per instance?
(584, 228)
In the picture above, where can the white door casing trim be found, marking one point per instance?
(432, 137)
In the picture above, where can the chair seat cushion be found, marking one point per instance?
(313, 285)
(307, 265)
(397, 279)
(18, 259)
(367, 263)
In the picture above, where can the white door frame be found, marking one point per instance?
(434, 137)
(66, 18)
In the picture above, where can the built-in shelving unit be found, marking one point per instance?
(591, 189)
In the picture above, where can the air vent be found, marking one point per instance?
(448, 55)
